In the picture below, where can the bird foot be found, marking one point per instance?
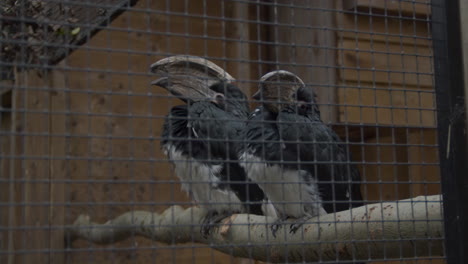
(211, 220)
(298, 224)
(275, 226)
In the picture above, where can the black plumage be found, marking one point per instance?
(300, 163)
(201, 138)
(208, 133)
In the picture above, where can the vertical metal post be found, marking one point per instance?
(464, 44)
(451, 117)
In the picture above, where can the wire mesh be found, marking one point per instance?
(83, 138)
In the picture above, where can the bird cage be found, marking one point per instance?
(91, 169)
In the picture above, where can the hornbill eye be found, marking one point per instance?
(302, 105)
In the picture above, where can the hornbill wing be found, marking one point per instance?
(222, 134)
(177, 133)
(197, 132)
(322, 153)
(208, 124)
(350, 170)
(269, 163)
(262, 136)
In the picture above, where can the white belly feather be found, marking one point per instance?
(201, 181)
(286, 189)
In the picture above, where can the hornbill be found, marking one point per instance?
(201, 138)
(299, 162)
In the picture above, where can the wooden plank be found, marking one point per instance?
(14, 169)
(388, 31)
(31, 175)
(53, 29)
(423, 159)
(241, 50)
(37, 168)
(5, 127)
(386, 54)
(33, 215)
(309, 48)
(386, 105)
(383, 182)
(364, 61)
(406, 28)
(385, 39)
(408, 8)
(58, 165)
(7, 171)
(417, 148)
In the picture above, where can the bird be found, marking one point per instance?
(201, 137)
(299, 162)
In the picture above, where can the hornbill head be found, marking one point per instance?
(282, 90)
(190, 78)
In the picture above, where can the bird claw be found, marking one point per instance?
(211, 220)
(298, 224)
(275, 226)
(294, 227)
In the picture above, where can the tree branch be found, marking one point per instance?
(45, 32)
(401, 229)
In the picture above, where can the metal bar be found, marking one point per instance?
(451, 125)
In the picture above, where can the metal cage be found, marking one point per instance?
(87, 175)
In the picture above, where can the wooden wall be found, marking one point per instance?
(302, 40)
(385, 84)
(385, 88)
(87, 133)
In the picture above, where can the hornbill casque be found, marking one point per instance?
(202, 137)
(299, 162)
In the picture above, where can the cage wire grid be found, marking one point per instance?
(85, 178)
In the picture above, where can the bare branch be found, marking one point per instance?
(46, 31)
(400, 229)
